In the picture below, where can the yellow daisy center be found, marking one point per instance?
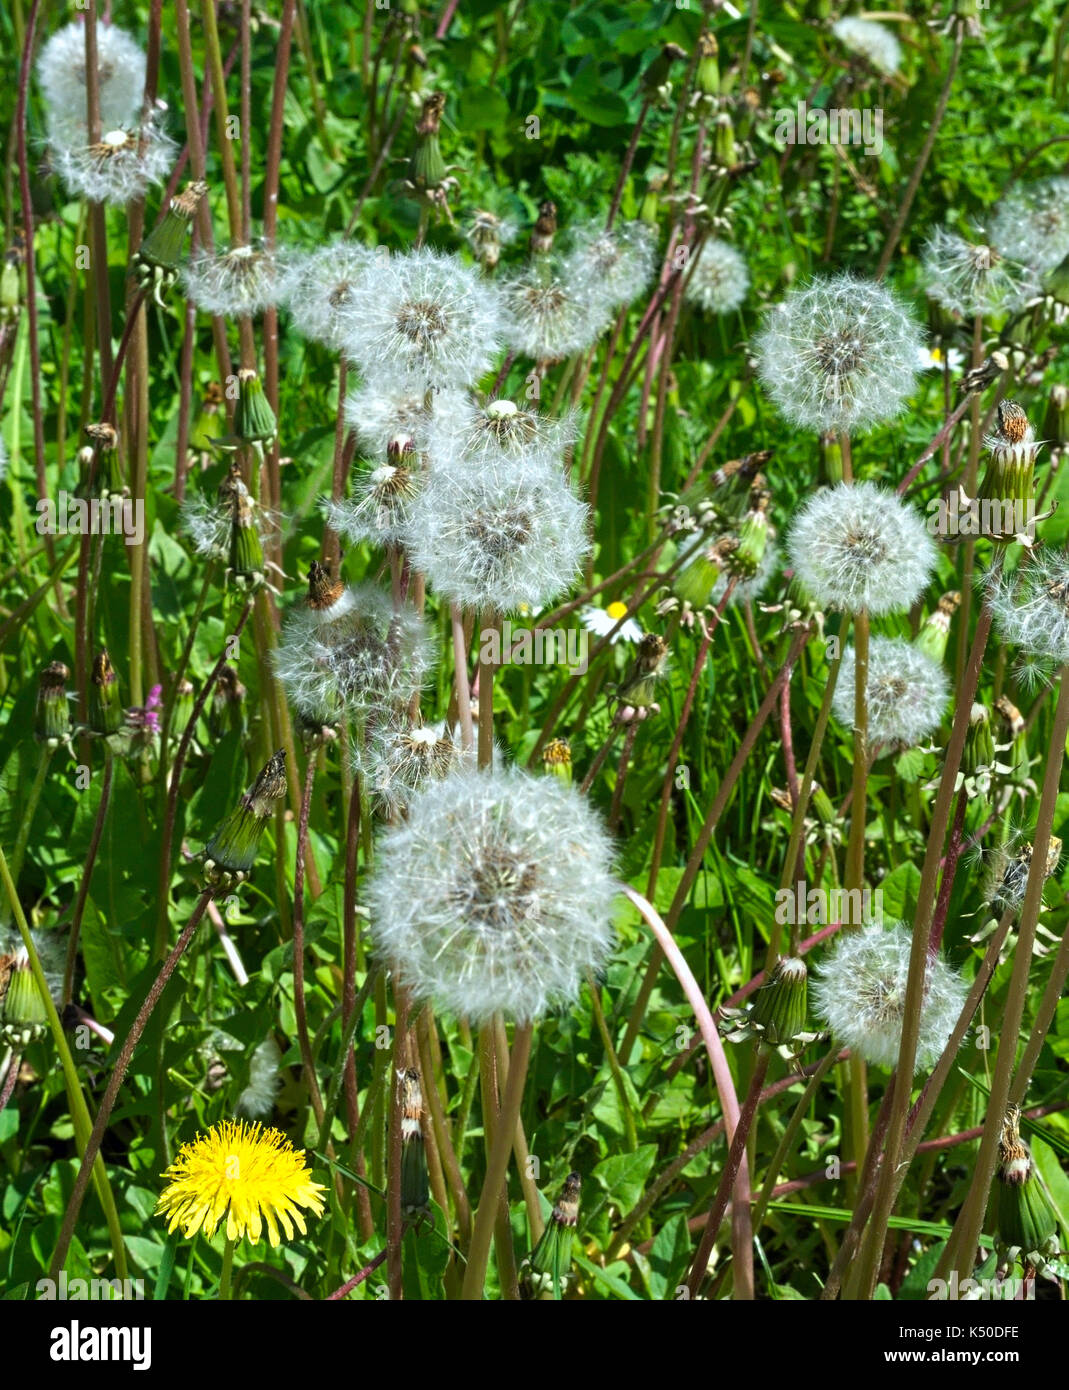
(617, 610)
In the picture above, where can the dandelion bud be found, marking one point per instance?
(415, 1192)
(933, 636)
(1009, 476)
(544, 230)
(182, 709)
(486, 235)
(1027, 1225)
(53, 720)
(324, 592)
(707, 79)
(231, 852)
(109, 479)
(753, 536)
(10, 287)
(979, 752)
(105, 707)
(650, 207)
(23, 1012)
(254, 420)
(227, 709)
(649, 666)
(1056, 420)
(156, 262)
(427, 169)
(655, 80)
(546, 1271)
(779, 1006)
(205, 427)
(695, 582)
(725, 152)
(246, 553)
(557, 759)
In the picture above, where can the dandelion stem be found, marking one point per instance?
(87, 878)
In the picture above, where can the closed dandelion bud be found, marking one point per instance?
(544, 229)
(415, 1193)
(655, 80)
(486, 234)
(650, 207)
(1027, 1223)
(23, 1013)
(10, 289)
(780, 1005)
(933, 636)
(1056, 420)
(206, 426)
(831, 458)
(1010, 473)
(53, 721)
(109, 479)
(979, 750)
(227, 709)
(695, 581)
(557, 759)
(638, 687)
(1011, 714)
(183, 707)
(753, 536)
(547, 1269)
(725, 153)
(427, 170)
(105, 707)
(708, 75)
(231, 852)
(254, 420)
(246, 552)
(156, 262)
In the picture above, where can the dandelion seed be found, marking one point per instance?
(974, 279)
(907, 693)
(120, 74)
(861, 546)
(423, 316)
(498, 536)
(871, 40)
(719, 280)
(251, 1176)
(839, 354)
(239, 283)
(1031, 224)
(495, 895)
(860, 993)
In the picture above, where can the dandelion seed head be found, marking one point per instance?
(1030, 606)
(498, 536)
(423, 316)
(839, 354)
(907, 693)
(257, 1099)
(871, 40)
(380, 507)
(118, 168)
(973, 278)
(495, 895)
(120, 74)
(383, 409)
(239, 283)
(609, 268)
(859, 991)
(1031, 223)
(548, 319)
(399, 758)
(316, 287)
(860, 546)
(500, 431)
(719, 281)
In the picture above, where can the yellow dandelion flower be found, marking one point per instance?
(243, 1172)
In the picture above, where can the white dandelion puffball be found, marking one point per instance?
(118, 168)
(547, 319)
(498, 536)
(380, 507)
(1030, 606)
(906, 691)
(609, 268)
(257, 1100)
(972, 278)
(495, 895)
(359, 657)
(1031, 224)
(860, 546)
(719, 280)
(399, 758)
(120, 72)
(478, 435)
(383, 409)
(239, 283)
(871, 40)
(839, 354)
(424, 316)
(315, 286)
(859, 990)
